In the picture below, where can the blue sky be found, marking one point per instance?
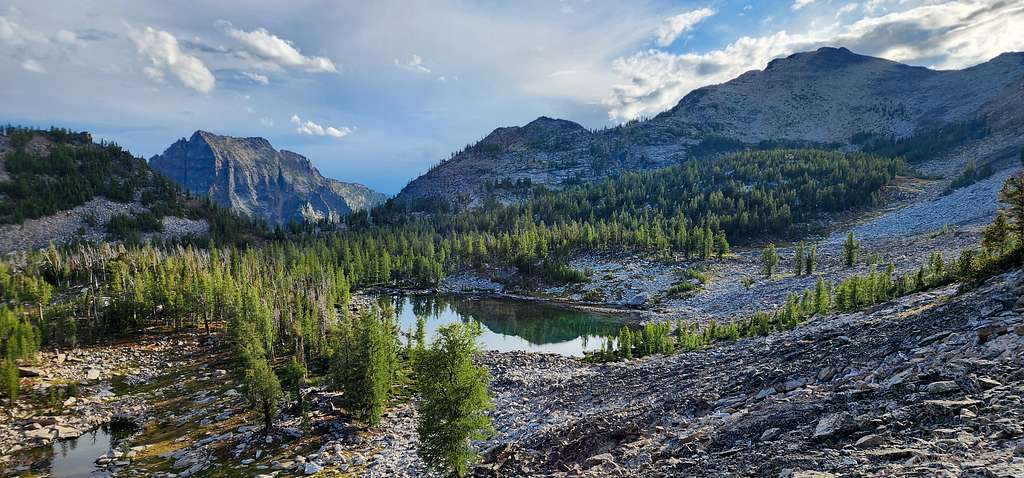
(376, 92)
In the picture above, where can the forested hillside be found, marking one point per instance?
(56, 170)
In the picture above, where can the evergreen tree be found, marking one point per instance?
(966, 265)
(811, 263)
(798, 259)
(850, 249)
(769, 260)
(364, 365)
(625, 342)
(721, 244)
(996, 236)
(262, 389)
(1012, 195)
(453, 401)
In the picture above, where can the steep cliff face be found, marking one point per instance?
(818, 98)
(251, 177)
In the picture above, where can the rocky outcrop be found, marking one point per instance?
(927, 385)
(819, 98)
(251, 177)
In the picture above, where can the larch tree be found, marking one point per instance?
(769, 260)
(453, 400)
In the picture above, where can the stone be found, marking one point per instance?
(831, 425)
(942, 387)
(987, 383)
(869, 441)
(28, 372)
(92, 373)
(892, 454)
(40, 434)
(769, 434)
(311, 468)
(67, 432)
(600, 459)
(949, 407)
(765, 393)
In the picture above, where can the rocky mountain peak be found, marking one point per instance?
(815, 98)
(251, 177)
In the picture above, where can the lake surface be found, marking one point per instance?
(75, 458)
(513, 325)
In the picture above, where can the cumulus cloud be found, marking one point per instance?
(415, 63)
(950, 34)
(313, 129)
(164, 55)
(256, 78)
(277, 51)
(676, 25)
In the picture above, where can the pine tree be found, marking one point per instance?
(966, 265)
(1012, 195)
(721, 244)
(625, 342)
(262, 389)
(811, 260)
(996, 236)
(364, 364)
(798, 259)
(453, 401)
(850, 249)
(822, 297)
(769, 260)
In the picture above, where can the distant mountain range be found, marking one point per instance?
(251, 177)
(829, 98)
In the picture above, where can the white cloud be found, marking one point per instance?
(257, 78)
(848, 8)
(278, 51)
(33, 66)
(67, 38)
(951, 34)
(676, 25)
(268, 122)
(798, 4)
(414, 64)
(162, 51)
(313, 129)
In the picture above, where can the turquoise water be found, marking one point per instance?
(512, 325)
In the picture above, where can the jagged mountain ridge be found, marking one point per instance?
(251, 177)
(818, 98)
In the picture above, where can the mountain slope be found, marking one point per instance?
(59, 186)
(827, 97)
(251, 177)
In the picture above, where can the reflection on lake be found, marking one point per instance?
(513, 325)
(75, 458)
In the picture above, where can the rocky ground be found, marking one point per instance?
(66, 226)
(930, 385)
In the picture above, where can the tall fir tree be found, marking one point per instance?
(453, 401)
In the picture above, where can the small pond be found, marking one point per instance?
(514, 325)
(76, 458)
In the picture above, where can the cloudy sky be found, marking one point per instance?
(377, 91)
